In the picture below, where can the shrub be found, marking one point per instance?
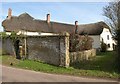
(80, 42)
(103, 47)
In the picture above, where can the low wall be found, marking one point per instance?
(82, 55)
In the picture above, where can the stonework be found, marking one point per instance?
(7, 46)
(82, 55)
(50, 49)
(64, 50)
(44, 49)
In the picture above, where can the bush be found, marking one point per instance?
(80, 42)
(103, 47)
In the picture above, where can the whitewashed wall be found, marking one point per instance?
(106, 40)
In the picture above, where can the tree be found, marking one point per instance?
(112, 12)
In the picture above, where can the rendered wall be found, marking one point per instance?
(96, 41)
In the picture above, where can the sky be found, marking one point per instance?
(63, 12)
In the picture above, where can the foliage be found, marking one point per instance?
(103, 47)
(112, 12)
(3, 35)
(80, 43)
(13, 36)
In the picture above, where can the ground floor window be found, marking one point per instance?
(108, 45)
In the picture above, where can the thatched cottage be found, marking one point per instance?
(25, 22)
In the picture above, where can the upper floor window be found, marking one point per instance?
(108, 37)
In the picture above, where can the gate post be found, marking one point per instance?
(64, 50)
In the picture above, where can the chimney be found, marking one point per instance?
(76, 27)
(9, 13)
(76, 23)
(48, 18)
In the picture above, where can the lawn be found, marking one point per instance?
(101, 66)
(104, 61)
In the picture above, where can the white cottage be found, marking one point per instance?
(106, 37)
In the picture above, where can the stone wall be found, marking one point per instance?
(7, 46)
(53, 49)
(83, 55)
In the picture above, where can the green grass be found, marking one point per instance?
(103, 62)
(101, 66)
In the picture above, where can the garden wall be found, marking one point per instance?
(49, 48)
(52, 49)
(7, 46)
(82, 55)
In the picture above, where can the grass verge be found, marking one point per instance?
(101, 66)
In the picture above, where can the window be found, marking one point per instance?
(108, 45)
(108, 37)
(114, 47)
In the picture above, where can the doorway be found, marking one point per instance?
(17, 49)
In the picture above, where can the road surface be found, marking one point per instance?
(10, 74)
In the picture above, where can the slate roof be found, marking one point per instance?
(28, 23)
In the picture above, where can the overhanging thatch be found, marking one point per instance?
(28, 23)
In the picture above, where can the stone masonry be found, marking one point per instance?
(52, 49)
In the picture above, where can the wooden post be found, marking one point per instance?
(25, 43)
(25, 48)
(25, 40)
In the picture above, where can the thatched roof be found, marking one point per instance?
(92, 29)
(28, 23)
